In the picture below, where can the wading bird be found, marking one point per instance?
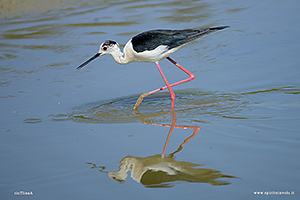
(153, 46)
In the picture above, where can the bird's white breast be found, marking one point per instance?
(153, 56)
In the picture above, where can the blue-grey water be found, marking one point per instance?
(69, 134)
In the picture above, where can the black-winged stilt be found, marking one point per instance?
(153, 46)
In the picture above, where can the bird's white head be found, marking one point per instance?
(107, 47)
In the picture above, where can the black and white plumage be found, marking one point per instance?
(153, 46)
(150, 40)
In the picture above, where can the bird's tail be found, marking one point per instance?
(206, 31)
(210, 30)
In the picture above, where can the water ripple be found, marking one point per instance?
(191, 106)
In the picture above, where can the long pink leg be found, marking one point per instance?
(168, 85)
(169, 134)
(192, 76)
(172, 126)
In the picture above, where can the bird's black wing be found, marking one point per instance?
(150, 40)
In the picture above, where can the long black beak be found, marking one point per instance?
(88, 61)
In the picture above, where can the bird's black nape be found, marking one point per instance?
(88, 61)
(109, 43)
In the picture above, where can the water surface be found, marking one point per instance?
(73, 134)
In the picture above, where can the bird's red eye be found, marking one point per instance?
(104, 48)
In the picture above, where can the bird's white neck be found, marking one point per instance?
(119, 56)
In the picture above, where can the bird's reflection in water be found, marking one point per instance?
(161, 170)
(157, 171)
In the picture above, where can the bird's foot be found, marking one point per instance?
(140, 99)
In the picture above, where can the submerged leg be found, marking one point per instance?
(192, 76)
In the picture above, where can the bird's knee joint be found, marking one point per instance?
(192, 77)
(173, 96)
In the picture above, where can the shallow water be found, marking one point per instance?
(73, 134)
